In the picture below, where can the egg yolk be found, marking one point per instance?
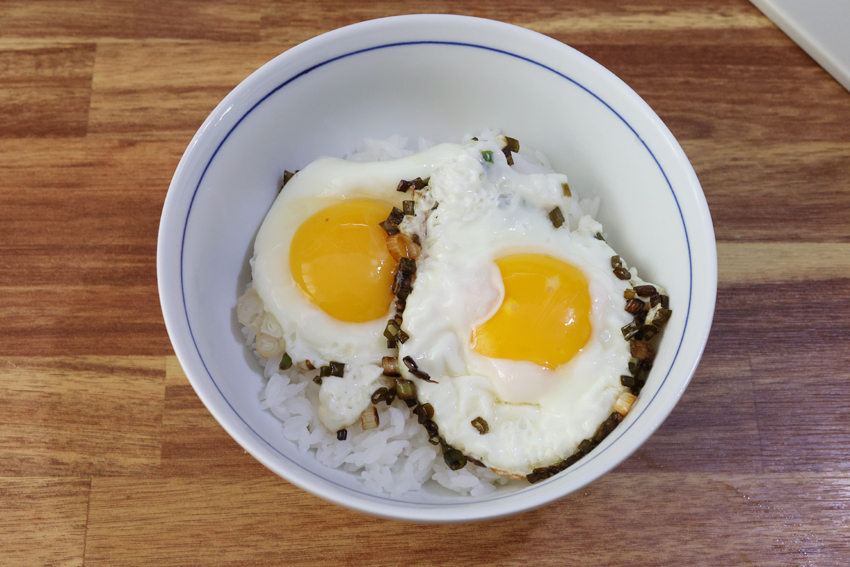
(339, 259)
(545, 315)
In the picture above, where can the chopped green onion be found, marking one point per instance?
(396, 216)
(634, 305)
(557, 217)
(287, 175)
(369, 418)
(324, 371)
(537, 475)
(405, 389)
(431, 428)
(337, 368)
(566, 188)
(607, 427)
(390, 397)
(571, 460)
(512, 144)
(423, 376)
(627, 381)
(424, 412)
(649, 331)
(406, 265)
(616, 261)
(408, 207)
(481, 425)
(641, 349)
(488, 156)
(419, 183)
(318, 380)
(391, 330)
(342, 435)
(379, 395)
(402, 337)
(402, 285)
(389, 227)
(646, 290)
(598, 236)
(403, 186)
(285, 362)
(622, 273)
(639, 368)
(410, 363)
(631, 330)
(390, 364)
(661, 317)
(454, 459)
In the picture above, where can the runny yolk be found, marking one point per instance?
(339, 259)
(544, 317)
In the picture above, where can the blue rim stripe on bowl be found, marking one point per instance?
(583, 462)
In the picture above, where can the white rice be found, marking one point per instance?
(396, 457)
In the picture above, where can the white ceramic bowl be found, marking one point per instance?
(437, 77)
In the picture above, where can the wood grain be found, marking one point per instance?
(80, 416)
(46, 90)
(44, 520)
(108, 457)
(732, 519)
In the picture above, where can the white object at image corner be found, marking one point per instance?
(817, 26)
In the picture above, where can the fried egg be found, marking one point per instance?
(322, 271)
(517, 322)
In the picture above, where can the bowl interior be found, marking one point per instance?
(372, 80)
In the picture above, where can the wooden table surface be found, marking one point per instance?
(107, 456)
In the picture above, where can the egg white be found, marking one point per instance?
(536, 416)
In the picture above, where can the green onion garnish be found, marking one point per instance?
(285, 362)
(557, 217)
(379, 395)
(630, 330)
(488, 156)
(405, 389)
(337, 368)
(454, 459)
(481, 425)
(407, 265)
(622, 273)
(391, 330)
(287, 175)
(645, 290)
(396, 216)
(389, 227)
